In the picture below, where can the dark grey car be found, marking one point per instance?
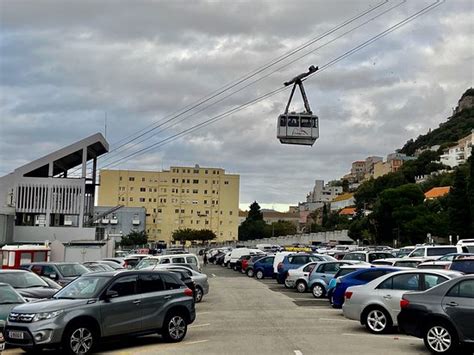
(63, 273)
(103, 304)
(443, 316)
(27, 284)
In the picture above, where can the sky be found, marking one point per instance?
(69, 69)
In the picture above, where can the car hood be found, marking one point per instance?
(50, 305)
(37, 292)
(5, 310)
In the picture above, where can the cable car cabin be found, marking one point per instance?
(12, 256)
(298, 128)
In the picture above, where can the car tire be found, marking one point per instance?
(377, 320)
(301, 286)
(79, 338)
(199, 294)
(259, 274)
(175, 328)
(440, 338)
(250, 272)
(287, 285)
(318, 291)
(235, 268)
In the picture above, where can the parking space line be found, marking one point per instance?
(310, 299)
(200, 325)
(196, 342)
(298, 352)
(335, 319)
(394, 337)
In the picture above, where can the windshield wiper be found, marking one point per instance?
(64, 298)
(18, 302)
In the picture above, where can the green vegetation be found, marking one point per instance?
(188, 234)
(134, 239)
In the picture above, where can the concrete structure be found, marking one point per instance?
(182, 197)
(271, 216)
(40, 202)
(323, 193)
(459, 153)
(342, 201)
(118, 223)
(393, 163)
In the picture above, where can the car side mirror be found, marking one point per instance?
(111, 294)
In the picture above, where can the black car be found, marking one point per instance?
(443, 315)
(27, 284)
(213, 259)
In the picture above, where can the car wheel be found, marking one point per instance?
(301, 286)
(236, 268)
(259, 274)
(440, 339)
(175, 328)
(377, 320)
(250, 272)
(287, 284)
(79, 338)
(318, 291)
(242, 271)
(199, 294)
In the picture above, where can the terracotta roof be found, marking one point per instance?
(343, 197)
(348, 211)
(436, 192)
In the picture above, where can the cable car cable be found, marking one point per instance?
(254, 101)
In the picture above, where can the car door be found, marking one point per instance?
(459, 306)
(268, 266)
(391, 290)
(328, 271)
(121, 314)
(153, 299)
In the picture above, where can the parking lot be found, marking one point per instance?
(242, 315)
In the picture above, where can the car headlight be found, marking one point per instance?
(46, 315)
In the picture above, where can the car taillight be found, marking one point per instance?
(446, 267)
(188, 292)
(280, 265)
(348, 295)
(404, 303)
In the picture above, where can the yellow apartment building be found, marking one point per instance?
(182, 197)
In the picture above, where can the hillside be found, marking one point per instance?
(456, 127)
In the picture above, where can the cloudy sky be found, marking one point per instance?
(65, 65)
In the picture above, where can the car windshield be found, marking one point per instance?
(83, 288)
(72, 270)
(146, 263)
(22, 279)
(9, 296)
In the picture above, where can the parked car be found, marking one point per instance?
(367, 256)
(225, 262)
(51, 283)
(213, 259)
(235, 254)
(220, 259)
(246, 260)
(442, 263)
(463, 263)
(320, 276)
(293, 261)
(298, 278)
(93, 266)
(238, 263)
(377, 303)
(117, 260)
(62, 273)
(124, 303)
(442, 316)
(343, 271)
(250, 263)
(131, 260)
(27, 284)
(190, 259)
(263, 267)
(9, 298)
(404, 252)
(113, 264)
(434, 252)
(399, 262)
(358, 277)
(200, 280)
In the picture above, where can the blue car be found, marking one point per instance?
(263, 267)
(343, 271)
(356, 278)
(293, 261)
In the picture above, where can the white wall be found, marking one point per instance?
(41, 234)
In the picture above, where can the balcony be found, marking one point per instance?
(114, 221)
(135, 222)
(104, 221)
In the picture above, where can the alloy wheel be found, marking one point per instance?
(81, 341)
(376, 320)
(301, 287)
(199, 294)
(439, 339)
(318, 291)
(176, 327)
(259, 275)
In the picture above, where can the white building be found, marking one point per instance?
(41, 202)
(323, 193)
(459, 153)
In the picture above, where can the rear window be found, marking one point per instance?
(463, 265)
(343, 272)
(355, 256)
(192, 260)
(170, 282)
(441, 251)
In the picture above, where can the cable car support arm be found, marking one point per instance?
(297, 80)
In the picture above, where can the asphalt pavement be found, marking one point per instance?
(246, 316)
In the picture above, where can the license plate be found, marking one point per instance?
(15, 335)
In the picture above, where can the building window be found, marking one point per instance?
(207, 211)
(206, 222)
(155, 189)
(142, 189)
(197, 221)
(230, 213)
(150, 190)
(183, 181)
(154, 200)
(188, 181)
(205, 191)
(205, 202)
(159, 210)
(123, 198)
(226, 183)
(195, 202)
(142, 199)
(176, 211)
(195, 191)
(213, 172)
(131, 189)
(131, 199)
(182, 211)
(206, 171)
(131, 178)
(196, 171)
(187, 191)
(220, 223)
(143, 179)
(149, 200)
(195, 181)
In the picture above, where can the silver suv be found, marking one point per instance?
(104, 304)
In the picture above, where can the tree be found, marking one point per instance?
(345, 185)
(325, 215)
(188, 234)
(182, 235)
(459, 208)
(253, 227)
(279, 228)
(134, 238)
(204, 235)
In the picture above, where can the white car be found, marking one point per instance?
(399, 262)
(298, 278)
(377, 303)
(226, 259)
(434, 252)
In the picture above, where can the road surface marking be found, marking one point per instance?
(334, 319)
(393, 337)
(298, 352)
(196, 342)
(213, 275)
(200, 325)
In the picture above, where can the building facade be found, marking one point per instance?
(459, 153)
(116, 223)
(178, 198)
